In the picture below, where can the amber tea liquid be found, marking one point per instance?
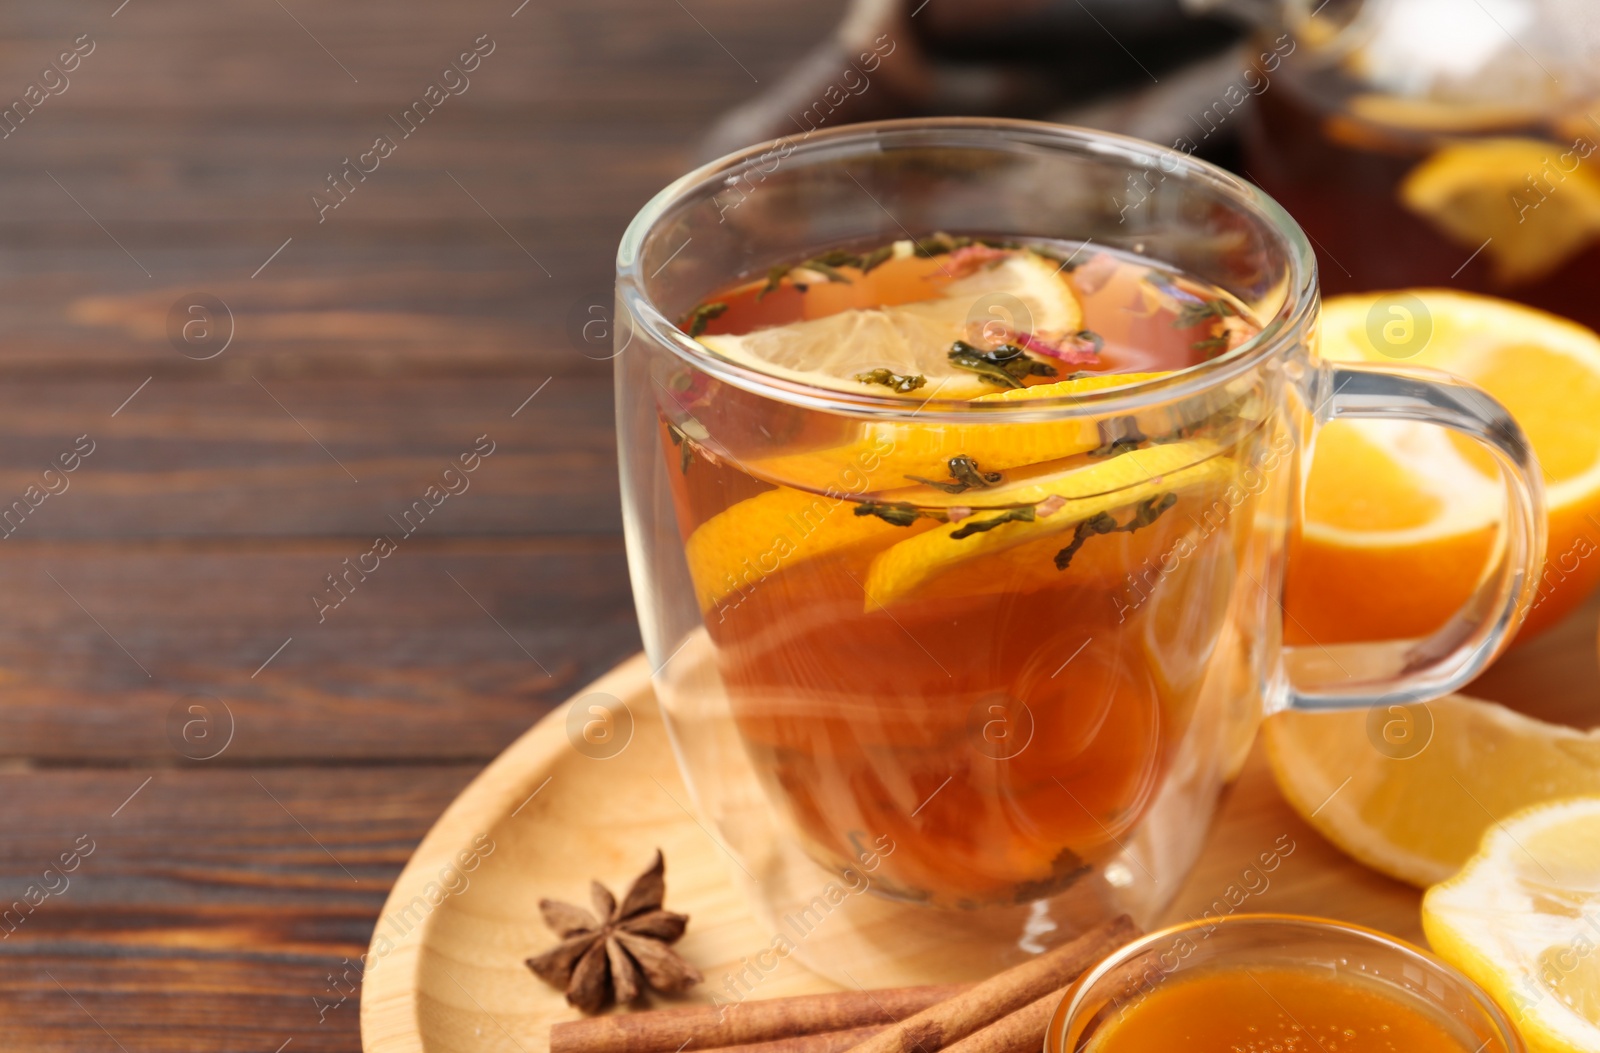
(1007, 721)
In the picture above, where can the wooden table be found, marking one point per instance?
(369, 350)
(251, 774)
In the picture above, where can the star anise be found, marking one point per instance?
(618, 949)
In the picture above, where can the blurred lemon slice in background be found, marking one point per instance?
(1511, 198)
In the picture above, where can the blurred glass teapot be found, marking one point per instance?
(1435, 142)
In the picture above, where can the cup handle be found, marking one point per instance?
(1407, 671)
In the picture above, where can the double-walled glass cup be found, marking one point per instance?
(927, 751)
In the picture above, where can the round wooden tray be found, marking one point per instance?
(445, 972)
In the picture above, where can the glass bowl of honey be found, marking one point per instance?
(1277, 983)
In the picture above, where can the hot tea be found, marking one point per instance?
(970, 651)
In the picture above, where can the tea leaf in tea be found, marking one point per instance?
(685, 451)
(1007, 365)
(1147, 512)
(1194, 314)
(979, 526)
(701, 316)
(892, 380)
(964, 475)
(876, 257)
(1118, 435)
(897, 513)
(775, 276)
(827, 270)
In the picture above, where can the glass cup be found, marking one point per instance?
(926, 763)
(1339, 958)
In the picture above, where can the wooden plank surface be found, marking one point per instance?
(408, 666)
(368, 350)
(187, 547)
(225, 458)
(210, 905)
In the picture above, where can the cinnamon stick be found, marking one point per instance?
(689, 1028)
(1007, 1013)
(825, 1042)
(1021, 1032)
(945, 1023)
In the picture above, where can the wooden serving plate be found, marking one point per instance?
(445, 970)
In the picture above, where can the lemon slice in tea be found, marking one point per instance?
(813, 520)
(912, 339)
(745, 541)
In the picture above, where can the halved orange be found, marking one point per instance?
(1400, 517)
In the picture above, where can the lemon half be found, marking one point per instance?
(1523, 920)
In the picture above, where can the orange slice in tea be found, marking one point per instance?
(749, 540)
(912, 340)
(1511, 199)
(1401, 517)
(795, 523)
(1519, 919)
(888, 455)
(1136, 483)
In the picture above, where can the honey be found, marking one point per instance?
(1277, 1009)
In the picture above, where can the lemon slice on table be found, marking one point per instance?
(1053, 507)
(1410, 791)
(1479, 194)
(911, 339)
(1400, 516)
(1521, 919)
